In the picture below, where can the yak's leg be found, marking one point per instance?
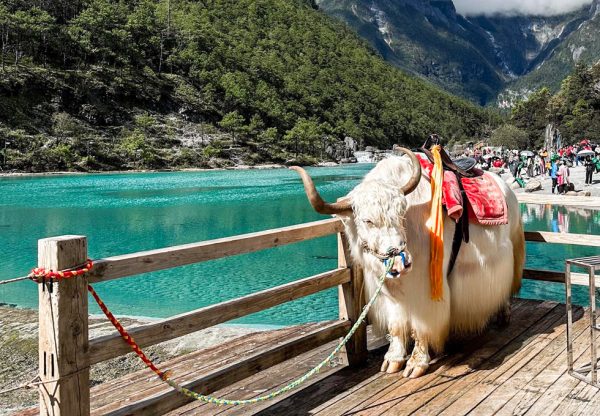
(396, 356)
(503, 315)
(418, 363)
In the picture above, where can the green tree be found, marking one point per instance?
(233, 123)
(509, 136)
(531, 116)
(303, 136)
(31, 28)
(5, 28)
(101, 34)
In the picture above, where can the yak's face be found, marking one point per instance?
(379, 211)
(377, 208)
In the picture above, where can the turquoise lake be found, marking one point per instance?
(123, 213)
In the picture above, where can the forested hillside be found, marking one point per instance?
(103, 84)
(574, 110)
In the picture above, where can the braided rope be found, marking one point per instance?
(164, 376)
(40, 274)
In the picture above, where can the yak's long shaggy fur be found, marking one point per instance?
(487, 272)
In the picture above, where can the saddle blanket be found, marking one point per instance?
(487, 205)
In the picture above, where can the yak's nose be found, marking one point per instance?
(402, 264)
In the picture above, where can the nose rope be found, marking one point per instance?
(390, 252)
(388, 258)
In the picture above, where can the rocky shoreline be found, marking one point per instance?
(19, 358)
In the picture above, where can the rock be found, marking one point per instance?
(268, 166)
(584, 193)
(515, 185)
(533, 185)
(571, 193)
(327, 164)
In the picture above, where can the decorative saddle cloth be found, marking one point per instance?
(487, 205)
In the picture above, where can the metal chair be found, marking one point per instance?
(589, 372)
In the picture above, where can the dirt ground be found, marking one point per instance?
(19, 357)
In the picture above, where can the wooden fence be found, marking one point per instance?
(66, 352)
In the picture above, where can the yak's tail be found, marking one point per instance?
(518, 241)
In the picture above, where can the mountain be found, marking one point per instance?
(476, 57)
(580, 45)
(107, 84)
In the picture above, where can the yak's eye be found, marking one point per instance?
(369, 223)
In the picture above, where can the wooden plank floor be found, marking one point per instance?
(520, 369)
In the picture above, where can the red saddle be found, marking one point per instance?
(487, 205)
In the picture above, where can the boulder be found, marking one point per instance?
(571, 193)
(533, 185)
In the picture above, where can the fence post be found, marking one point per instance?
(63, 330)
(351, 303)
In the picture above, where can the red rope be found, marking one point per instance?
(41, 273)
(126, 337)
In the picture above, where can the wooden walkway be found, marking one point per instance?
(520, 369)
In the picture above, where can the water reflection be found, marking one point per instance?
(559, 219)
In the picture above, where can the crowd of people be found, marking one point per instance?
(530, 164)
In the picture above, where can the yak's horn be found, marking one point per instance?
(416, 176)
(322, 207)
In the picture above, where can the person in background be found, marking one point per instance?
(589, 169)
(554, 172)
(563, 177)
(544, 158)
(530, 167)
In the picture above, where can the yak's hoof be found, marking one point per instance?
(392, 367)
(416, 366)
(414, 371)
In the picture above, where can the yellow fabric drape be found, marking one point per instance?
(435, 224)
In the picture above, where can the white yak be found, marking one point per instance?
(389, 208)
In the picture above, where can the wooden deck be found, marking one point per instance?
(514, 370)
(520, 369)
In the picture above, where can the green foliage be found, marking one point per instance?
(64, 125)
(304, 135)
(274, 74)
(532, 116)
(575, 109)
(233, 123)
(509, 136)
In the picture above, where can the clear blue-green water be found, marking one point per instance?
(122, 213)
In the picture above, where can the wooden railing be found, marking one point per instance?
(66, 353)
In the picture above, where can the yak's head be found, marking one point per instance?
(374, 211)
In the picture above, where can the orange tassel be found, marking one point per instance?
(436, 226)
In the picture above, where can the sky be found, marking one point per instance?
(518, 7)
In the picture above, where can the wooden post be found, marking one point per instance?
(63, 330)
(351, 304)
